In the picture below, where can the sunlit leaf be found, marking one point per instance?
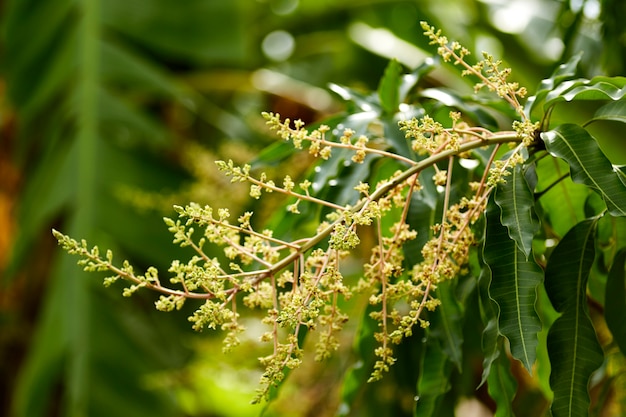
(513, 287)
(516, 202)
(572, 344)
(409, 81)
(615, 300)
(588, 165)
(360, 101)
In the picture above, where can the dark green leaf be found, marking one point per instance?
(489, 313)
(388, 89)
(502, 385)
(615, 300)
(421, 215)
(517, 202)
(434, 381)
(572, 344)
(447, 323)
(513, 287)
(588, 165)
(359, 373)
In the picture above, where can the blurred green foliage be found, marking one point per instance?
(102, 97)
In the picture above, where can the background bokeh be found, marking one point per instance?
(113, 111)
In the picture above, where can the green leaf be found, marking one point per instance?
(513, 287)
(409, 81)
(615, 300)
(388, 89)
(615, 110)
(572, 344)
(489, 314)
(358, 374)
(501, 384)
(598, 88)
(360, 101)
(434, 381)
(588, 165)
(517, 202)
(621, 173)
(562, 73)
(561, 201)
(447, 323)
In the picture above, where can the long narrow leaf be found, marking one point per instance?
(433, 383)
(516, 201)
(502, 385)
(447, 325)
(489, 312)
(359, 373)
(588, 165)
(389, 88)
(598, 88)
(513, 287)
(615, 300)
(572, 345)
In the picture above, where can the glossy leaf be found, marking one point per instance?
(588, 165)
(598, 88)
(517, 202)
(615, 300)
(562, 73)
(368, 103)
(409, 81)
(572, 344)
(513, 287)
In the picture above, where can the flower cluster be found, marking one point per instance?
(488, 70)
(299, 284)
